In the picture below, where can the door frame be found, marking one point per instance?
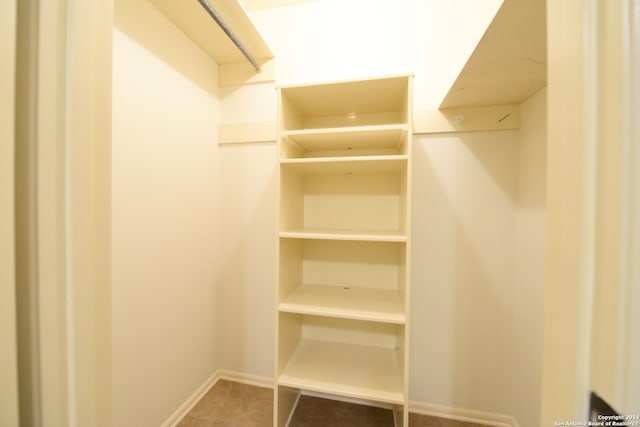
(8, 338)
(592, 290)
(62, 163)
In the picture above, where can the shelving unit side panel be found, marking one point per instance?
(291, 117)
(402, 275)
(291, 200)
(402, 353)
(405, 111)
(351, 263)
(405, 333)
(405, 195)
(289, 335)
(404, 143)
(291, 267)
(401, 415)
(290, 149)
(285, 402)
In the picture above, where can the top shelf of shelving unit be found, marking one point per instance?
(345, 104)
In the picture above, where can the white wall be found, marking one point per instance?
(166, 231)
(246, 295)
(479, 250)
(531, 255)
(462, 285)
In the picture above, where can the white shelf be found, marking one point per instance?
(191, 18)
(367, 96)
(357, 235)
(509, 64)
(357, 371)
(348, 138)
(355, 164)
(379, 305)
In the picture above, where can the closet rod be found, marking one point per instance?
(223, 25)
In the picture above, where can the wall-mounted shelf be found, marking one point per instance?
(356, 371)
(193, 20)
(509, 64)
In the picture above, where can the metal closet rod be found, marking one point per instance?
(223, 25)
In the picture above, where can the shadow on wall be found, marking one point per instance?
(463, 274)
(145, 24)
(495, 154)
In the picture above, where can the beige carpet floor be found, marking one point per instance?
(231, 404)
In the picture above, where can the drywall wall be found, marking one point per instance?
(479, 252)
(166, 231)
(530, 259)
(8, 343)
(464, 266)
(248, 260)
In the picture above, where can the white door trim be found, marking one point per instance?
(64, 118)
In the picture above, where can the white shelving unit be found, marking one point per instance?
(343, 281)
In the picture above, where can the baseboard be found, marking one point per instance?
(435, 410)
(240, 377)
(191, 401)
(458, 414)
